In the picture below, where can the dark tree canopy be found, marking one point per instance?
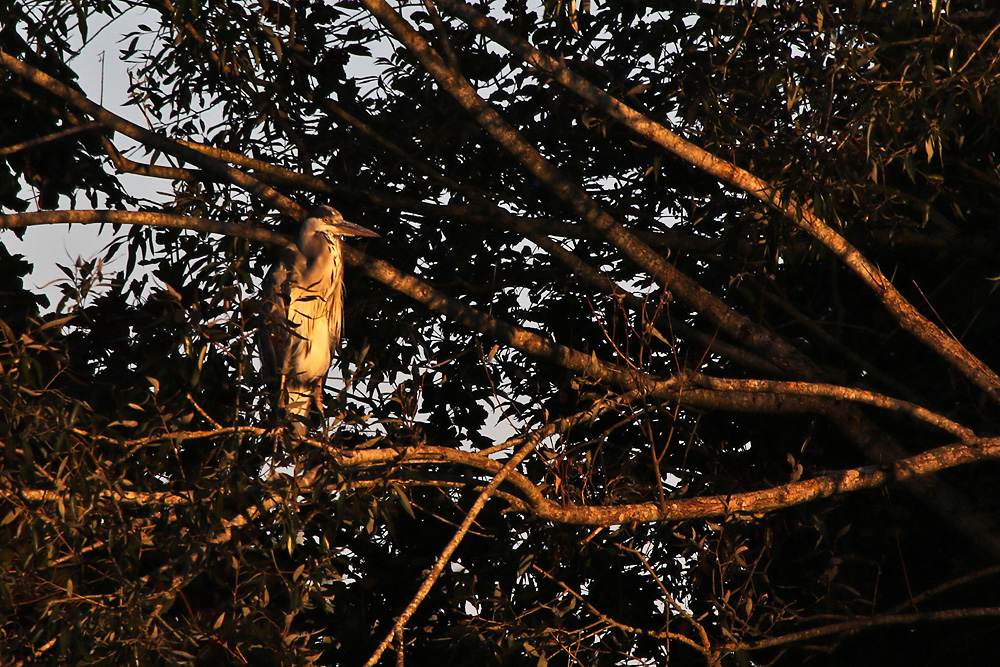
(679, 345)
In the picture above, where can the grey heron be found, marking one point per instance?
(302, 312)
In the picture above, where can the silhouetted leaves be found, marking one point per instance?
(147, 516)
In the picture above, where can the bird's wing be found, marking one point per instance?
(273, 330)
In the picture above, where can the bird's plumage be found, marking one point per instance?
(302, 311)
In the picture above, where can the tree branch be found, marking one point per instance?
(742, 395)
(676, 509)
(750, 502)
(147, 137)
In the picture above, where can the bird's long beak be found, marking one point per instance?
(344, 228)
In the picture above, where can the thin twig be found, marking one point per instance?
(659, 634)
(857, 625)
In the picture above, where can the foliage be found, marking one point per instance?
(695, 364)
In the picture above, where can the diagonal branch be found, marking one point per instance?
(149, 138)
(856, 625)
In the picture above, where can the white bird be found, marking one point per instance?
(302, 312)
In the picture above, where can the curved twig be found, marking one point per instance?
(703, 648)
(836, 392)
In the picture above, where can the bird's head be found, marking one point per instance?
(328, 221)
